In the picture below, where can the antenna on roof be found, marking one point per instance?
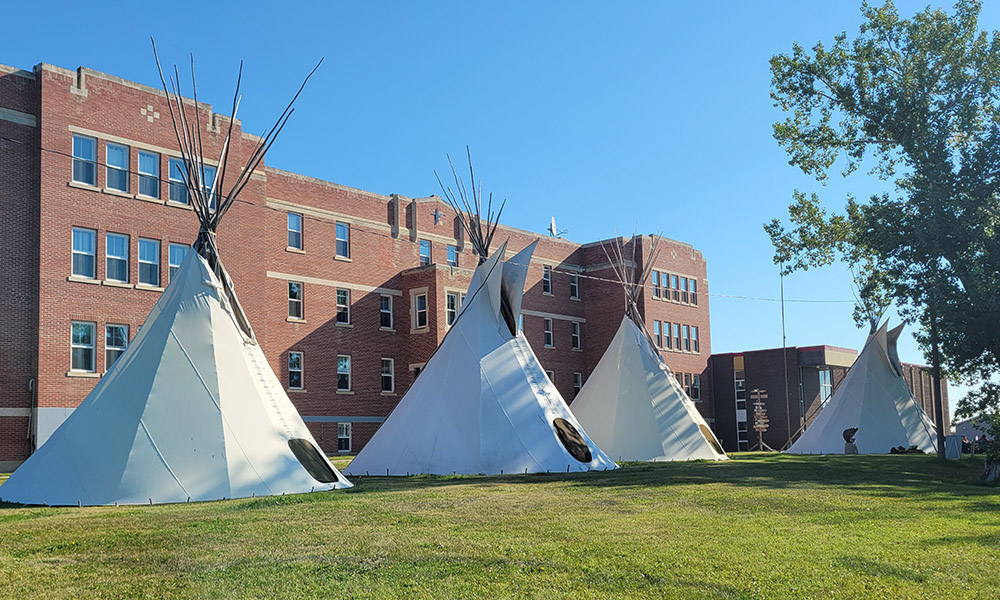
(554, 231)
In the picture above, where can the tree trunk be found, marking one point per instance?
(992, 472)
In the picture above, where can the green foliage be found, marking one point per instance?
(757, 526)
(980, 405)
(919, 99)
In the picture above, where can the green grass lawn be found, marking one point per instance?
(757, 526)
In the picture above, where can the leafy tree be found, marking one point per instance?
(917, 102)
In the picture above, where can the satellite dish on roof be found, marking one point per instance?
(554, 231)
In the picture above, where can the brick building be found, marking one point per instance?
(349, 291)
(813, 374)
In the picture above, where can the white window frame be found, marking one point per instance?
(383, 311)
(656, 283)
(298, 231)
(89, 164)
(345, 308)
(695, 344)
(344, 433)
(300, 301)
(391, 375)
(92, 347)
(575, 340)
(92, 253)
(452, 255)
(675, 293)
(696, 387)
(657, 334)
(108, 257)
(547, 280)
(301, 370)
(686, 336)
(147, 176)
(108, 167)
(693, 284)
(577, 382)
(171, 266)
(108, 347)
(668, 335)
(678, 340)
(177, 184)
(684, 290)
(451, 314)
(574, 286)
(417, 311)
(429, 258)
(141, 262)
(547, 331)
(346, 240)
(346, 372)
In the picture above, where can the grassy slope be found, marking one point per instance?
(758, 526)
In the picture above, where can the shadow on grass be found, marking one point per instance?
(875, 568)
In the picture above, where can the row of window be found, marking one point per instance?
(575, 339)
(740, 388)
(118, 159)
(296, 241)
(691, 382)
(676, 336)
(453, 304)
(296, 370)
(117, 253)
(83, 345)
(676, 288)
(577, 380)
(574, 283)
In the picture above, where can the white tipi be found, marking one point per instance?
(874, 398)
(632, 405)
(483, 403)
(191, 410)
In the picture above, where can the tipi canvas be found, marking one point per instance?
(483, 403)
(874, 398)
(191, 410)
(632, 405)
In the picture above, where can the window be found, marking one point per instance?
(657, 335)
(420, 314)
(684, 290)
(149, 174)
(546, 279)
(388, 375)
(149, 262)
(343, 437)
(343, 373)
(656, 284)
(694, 339)
(825, 386)
(425, 252)
(675, 291)
(739, 383)
(577, 383)
(115, 342)
(295, 300)
(343, 307)
(677, 337)
(551, 375)
(695, 387)
(117, 175)
(686, 336)
(520, 322)
(452, 303)
(680, 379)
(575, 336)
(574, 286)
(175, 256)
(176, 177)
(295, 230)
(548, 333)
(84, 252)
(208, 180)
(295, 370)
(693, 284)
(666, 335)
(85, 160)
(453, 256)
(82, 347)
(343, 240)
(116, 250)
(385, 311)
(687, 384)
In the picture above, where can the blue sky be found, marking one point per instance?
(610, 116)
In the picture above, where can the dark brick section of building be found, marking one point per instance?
(370, 262)
(813, 374)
